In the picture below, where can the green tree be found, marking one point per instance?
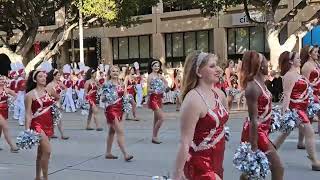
(25, 17)
(272, 24)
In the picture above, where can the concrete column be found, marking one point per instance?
(106, 50)
(158, 47)
(158, 9)
(220, 44)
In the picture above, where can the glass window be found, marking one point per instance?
(123, 48)
(202, 41)
(231, 41)
(144, 47)
(189, 42)
(133, 47)
(177, 40)
(168, 45)
(211, 41)
(115, 48)
(242, 40)
(257, 39)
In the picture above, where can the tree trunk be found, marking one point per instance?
(52, 48)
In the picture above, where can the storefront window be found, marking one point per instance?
(133, 47)
(257, 39)
(189, 39)
(127, 50)
(177, 41)
(179, 45)
(123, 48)
(244, 39)
(144, 46)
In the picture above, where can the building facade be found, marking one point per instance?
(169, 33)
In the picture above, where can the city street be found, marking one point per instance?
(82, 156)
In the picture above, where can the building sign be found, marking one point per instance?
(241, 18)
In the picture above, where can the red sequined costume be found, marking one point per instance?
(155, 101)
(101, 81)
(264, 120)
(208, 145)
(58, 89)
(4, 104)
(114, 111)
(91, 97)
(42, 119)
(314, 79)
(299, 99)
(131, 88)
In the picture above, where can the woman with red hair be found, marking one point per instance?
(295, 97)
(311, 70)
(257, 126)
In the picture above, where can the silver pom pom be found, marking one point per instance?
(109, 91)
(290, 121)
(253, 164)
(56, 114)
(126, 105)
(85, 108)
(227, 133)
(157, 85)
(233, 92)
(27, 139)
(275, 119)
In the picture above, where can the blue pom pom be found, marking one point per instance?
(233, 92)
(253, 164)
(56, 114)
(27, 139)
(227, 133)
(126, 105)
(275, 119)
(85, 108)
(109, 91)
(290, 121)
(157, 85)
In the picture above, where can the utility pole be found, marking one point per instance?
(81, 35)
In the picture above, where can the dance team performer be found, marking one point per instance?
(55, 87)
(259, 100)
(231, 78)
(90, 94)
(155, 98)
(4, 111)
(203, 116)
(68, 101)
(39, 118)
(130, 89)
(296, 97)
(311, 70)
(113, 113)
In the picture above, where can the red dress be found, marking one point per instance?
(208, 145)
(131, 88)
(101, 81)
(21, 85)
(114, 111)
(314, 79)
(42, 119)
(155, 101)
(299, 99)
(92, 94)
(264, 120)
(4, 104)
(13, 85)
